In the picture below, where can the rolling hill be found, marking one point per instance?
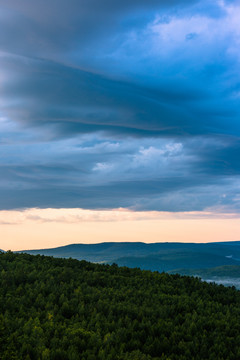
(184, 258)
(64, 309)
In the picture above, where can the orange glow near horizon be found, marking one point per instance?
(46, 228)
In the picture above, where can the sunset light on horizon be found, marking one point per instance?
(47, 228)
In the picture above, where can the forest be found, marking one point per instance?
(65, 309)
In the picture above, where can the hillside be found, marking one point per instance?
(183, 258)
(53, 308)
(228, 275)
(156, 256)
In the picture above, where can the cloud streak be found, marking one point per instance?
(78, 216)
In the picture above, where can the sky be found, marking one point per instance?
(119, 121)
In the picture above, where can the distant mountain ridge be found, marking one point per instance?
(154, 256)
(175, 257)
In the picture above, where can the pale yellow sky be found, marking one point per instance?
(45, 228)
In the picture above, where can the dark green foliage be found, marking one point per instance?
(155, 256)
(65, 309)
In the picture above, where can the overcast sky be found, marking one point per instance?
(108, 104)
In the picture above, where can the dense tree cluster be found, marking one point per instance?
(64, 309)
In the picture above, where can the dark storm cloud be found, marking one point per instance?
(162, 194)
(219, 158)
(45, 93)
(119, 103)
(45, 28)
(135, 174)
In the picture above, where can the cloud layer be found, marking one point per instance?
(130, 104)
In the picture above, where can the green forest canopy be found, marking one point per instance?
(52, 308)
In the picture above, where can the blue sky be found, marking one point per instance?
(109, 104)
